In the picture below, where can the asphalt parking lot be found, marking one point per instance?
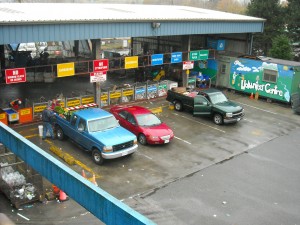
(198, 144)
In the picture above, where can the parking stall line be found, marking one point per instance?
(258, 108)
(182, 140)
(200, 123)
(139, 153)
(250, 121)
(30, 136)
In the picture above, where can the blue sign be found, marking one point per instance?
(216, 44)
(140, 90)
(176, 57)
(157, 59)
(152, 88)
(221, 45)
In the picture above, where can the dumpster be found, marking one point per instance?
(19, 182)
(3, 117)
(12, 115)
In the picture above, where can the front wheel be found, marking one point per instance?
(142, 139)
(97, 157)
(218, 119)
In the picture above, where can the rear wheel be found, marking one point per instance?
(59, 133)
(178, 105)
(142, 139)
(218, 119)
(97, 157)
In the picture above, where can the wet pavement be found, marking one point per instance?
(199, 146)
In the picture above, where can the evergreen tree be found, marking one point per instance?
(272, 11)
(281, 48)
(293, 18)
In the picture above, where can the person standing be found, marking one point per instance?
(54, 104)
(47, 117)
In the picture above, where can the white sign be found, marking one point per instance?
(98, 76)
(187, 65)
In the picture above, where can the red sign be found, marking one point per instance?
(16, 75)
(100, 65)
(187, 65)
(98, 77)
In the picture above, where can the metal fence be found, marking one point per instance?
(130, 93)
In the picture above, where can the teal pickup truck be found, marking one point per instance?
(96, 130)
(207, 102)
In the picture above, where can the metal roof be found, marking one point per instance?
(20, 13)
(77, 21)
(279, 61)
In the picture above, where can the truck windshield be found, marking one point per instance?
(148, 120)
(216, 98)
(102, 124)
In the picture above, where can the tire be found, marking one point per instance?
(60, 134)
(178, 106)
(218, 119)
(97, 157)
(142, 139)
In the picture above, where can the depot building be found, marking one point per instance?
(173, 42)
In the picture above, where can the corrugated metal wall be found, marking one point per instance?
(82, 31)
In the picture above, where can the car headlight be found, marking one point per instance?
(135, 141)
(107, 149)
(228, 114)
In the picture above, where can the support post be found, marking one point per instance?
(96, 50)
(186, 45)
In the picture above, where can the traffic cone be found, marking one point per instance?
(83, 174)
(62, 196)
(251, 96)
(94, 180)
(55, 190)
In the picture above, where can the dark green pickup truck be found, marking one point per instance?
(207, 102)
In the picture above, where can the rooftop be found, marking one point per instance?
(16, 13)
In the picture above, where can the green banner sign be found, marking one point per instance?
(199, 55)
(203, 54)
(194, 55)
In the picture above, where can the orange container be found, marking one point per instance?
(25, 115)
(3, 118)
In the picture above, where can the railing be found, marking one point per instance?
(105, 207)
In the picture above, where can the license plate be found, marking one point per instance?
(167, 141)
(238, 119)
(124, 153)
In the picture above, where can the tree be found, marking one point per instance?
(231, 6)
(272, 11)
(293, 18)
(281, 48)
